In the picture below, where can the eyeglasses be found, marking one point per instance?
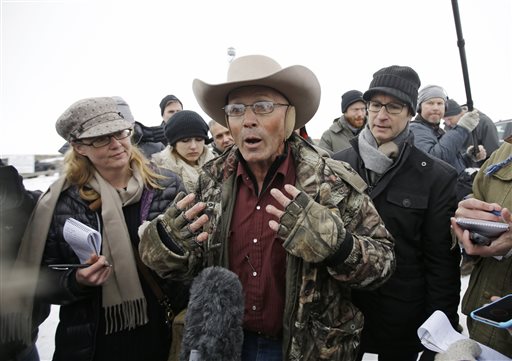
(391, 108)
(237, 110)
(104, 140)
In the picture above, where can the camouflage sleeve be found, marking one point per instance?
(349, 238)
(168, 247)
(371, 260)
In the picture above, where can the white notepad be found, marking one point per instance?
(437, 334)
(83, 239)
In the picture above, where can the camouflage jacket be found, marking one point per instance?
(355, 250)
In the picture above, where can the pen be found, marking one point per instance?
(496, 213)
(65, 266)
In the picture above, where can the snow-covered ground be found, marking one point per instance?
(45, 342)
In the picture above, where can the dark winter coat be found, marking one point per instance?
(150, 140)
(81, 311)
(415, 198)
(16, 205)
(486, 134)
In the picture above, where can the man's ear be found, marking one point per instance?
(289, 122)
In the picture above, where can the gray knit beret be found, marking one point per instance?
(91, 117)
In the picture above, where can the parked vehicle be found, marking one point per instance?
(504, 128)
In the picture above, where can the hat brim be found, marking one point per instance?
(104, 128)
(297, 83)
(389, 91)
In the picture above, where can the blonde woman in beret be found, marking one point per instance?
(109, 307)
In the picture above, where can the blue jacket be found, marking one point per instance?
(447, 146)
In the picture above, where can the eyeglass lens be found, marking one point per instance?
(103, 140)
(264, 107)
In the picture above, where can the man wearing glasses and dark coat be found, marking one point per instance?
(415, 196)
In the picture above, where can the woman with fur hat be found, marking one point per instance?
(187, 134)
(110, 304)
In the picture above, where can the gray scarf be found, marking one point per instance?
(378, 159)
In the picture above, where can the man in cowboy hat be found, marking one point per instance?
(296, 227)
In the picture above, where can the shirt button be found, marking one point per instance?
(255, 274)
(258, 208)
(254, 308)
(255, 240)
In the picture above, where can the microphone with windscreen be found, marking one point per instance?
(213, 322)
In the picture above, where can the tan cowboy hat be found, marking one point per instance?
(297, 83)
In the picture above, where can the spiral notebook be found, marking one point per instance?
(485, 228)
(83, 239)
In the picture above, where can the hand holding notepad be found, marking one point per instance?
(482, 232)
(83, 239)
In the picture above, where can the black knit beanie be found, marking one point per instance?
(349, 98)
(402, 82)
(186, 124)
(166, 100)
(452, 108)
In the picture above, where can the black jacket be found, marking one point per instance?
(150, 140)
(16, 205)
(77, 336)
(415, 198)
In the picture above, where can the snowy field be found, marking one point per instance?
(45, 342)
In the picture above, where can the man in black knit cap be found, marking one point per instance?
(403, 183)
(346, 127)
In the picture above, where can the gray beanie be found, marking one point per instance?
(429, 92)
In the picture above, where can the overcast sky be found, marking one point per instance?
(56, 52)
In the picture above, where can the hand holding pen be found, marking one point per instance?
(477, 209)
(96, 274)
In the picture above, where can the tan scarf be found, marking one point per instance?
(16, 297)
(123, 299)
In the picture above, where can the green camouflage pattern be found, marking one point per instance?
(320, 322)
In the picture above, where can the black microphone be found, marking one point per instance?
(213, 323)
